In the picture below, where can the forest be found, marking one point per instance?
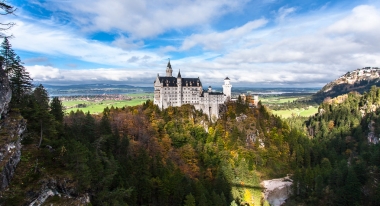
(141, 155)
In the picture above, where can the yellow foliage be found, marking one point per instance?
(248, 198)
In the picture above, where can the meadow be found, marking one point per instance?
(296, 112)
(95, 107)
(279, 101)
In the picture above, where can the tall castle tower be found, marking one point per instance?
(179, 87)
(169, 70)
(227, 88)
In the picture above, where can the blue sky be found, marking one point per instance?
(261, 43)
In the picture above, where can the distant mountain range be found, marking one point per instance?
(94, 89)
(359, 80)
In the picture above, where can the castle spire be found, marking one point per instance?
(179, 74)
(169, 69)
(169, 65)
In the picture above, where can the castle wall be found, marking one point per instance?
(174, 92)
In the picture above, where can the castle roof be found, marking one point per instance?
(227, 78)
(210, 93)
(179, 74)
(169, 65)
(172, 81)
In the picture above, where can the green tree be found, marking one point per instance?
(21, 83)
(56, 109)
(189, 200)
(9, 56)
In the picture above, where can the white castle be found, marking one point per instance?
(172, 91)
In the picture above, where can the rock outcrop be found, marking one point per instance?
(359, 80)
(63, 188)
(11, 130)
(277, 190)
(5, 93)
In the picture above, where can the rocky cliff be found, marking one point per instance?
(359, 80)
(5, 93)
(11, 130)
(277, 190)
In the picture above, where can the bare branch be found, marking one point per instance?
(6, 9)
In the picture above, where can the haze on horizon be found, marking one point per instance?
(267, 43)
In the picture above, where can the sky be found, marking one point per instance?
(256, 43)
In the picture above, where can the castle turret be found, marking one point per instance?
(179, 88)
(169, 70)
(227, 88)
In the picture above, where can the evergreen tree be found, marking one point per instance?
(19, 78)
(56, 109)
(21, 83)
(9, 56)
(189, 200)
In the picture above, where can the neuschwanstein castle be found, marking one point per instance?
(176, 91)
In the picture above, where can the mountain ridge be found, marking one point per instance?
(359, 80)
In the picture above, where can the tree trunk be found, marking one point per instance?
(39, 144)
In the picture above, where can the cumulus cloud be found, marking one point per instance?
(217, 40)
(310, 50)
(142, 18)
(49, 74)
(127, 43)
(45, 39)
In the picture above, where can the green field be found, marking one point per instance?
(297, 112)
(279, 99)
(98, 107)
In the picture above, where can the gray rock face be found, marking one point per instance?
(5, 93)
(10, 149)
(277, 190)
(62, 188)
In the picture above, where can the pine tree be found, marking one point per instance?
(9, 56)
(189, 200)
(56, 109)
(21, 83)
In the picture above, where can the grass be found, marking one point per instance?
(298, 112)
(279, 100)
(98, 107)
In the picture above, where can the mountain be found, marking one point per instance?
(359, 80)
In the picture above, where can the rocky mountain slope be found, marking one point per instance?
(12, 127)
(359, 80)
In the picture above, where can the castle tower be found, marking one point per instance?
(179, 91)
(227, 88)
(169, 70)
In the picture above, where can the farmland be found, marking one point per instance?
(96, 105)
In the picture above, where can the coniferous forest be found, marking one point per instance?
(142, 155)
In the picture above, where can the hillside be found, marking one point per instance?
(359, 80)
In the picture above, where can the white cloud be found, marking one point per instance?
(283, 12)
(313, 49)
(217, 40)
(143, 18)
(127, 43)
(50, 74)
(63, 41)
(310, 50)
